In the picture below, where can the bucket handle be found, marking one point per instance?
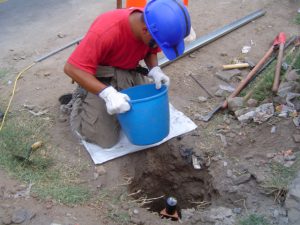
(131, 106)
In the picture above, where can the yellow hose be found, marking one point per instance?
(13, 93)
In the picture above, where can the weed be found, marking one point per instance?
(261, 88)
(120, 217)
(65, 193)
(297, 19)
(49, 180)
(254, 219)
(5, 74)
(281, 177)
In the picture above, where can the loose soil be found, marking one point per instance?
(43, 26)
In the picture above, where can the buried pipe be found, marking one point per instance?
(206, 39)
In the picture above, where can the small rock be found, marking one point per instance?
(286, 87)
(209, 67)
(187, 214)
(49, 205)
(19, 216)
(96, 175)
(288, 164)
(223, 54)
(283, 221)
(246, 118)
(228, 74)
(242, 179)
(237, 210)
(6, 220)
(235, 103)
(296, 121)
(273, 129)
(252, 102)
(137, 221)
(227, 88)
(296, 138)
(246, 49)
(221, 93)
(243, 111)
(202, 99)
(100, 170)
(233, 189)
(259, 177)
(60, 35)
(223, 139)
(62, 118)
(289, 158)
(271, 155)
(263, 113)
(276, 213)
(192, 55)
(249, 156)
(135, 211)
(229, 173)
(292, 76)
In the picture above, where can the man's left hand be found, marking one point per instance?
(159, 77)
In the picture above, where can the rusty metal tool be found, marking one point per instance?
(280, 41)
(242, 84)
(287, 44)
(291, 40)
(207, 92)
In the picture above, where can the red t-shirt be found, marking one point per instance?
(110, 42)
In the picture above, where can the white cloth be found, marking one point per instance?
(179, 124)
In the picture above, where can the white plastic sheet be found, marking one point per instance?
(179, 124)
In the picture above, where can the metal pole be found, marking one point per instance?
(204, 40)
(58, 50)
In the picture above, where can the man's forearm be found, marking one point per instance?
(151, 61)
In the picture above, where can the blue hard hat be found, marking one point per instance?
(168, 22)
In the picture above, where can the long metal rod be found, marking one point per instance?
(206, 39)
(58, 50)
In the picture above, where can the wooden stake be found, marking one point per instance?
(119, 4)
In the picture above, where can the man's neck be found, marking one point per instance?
(136, 24)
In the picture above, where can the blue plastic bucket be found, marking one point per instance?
(148, 120)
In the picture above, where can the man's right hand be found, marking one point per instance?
(116, 102)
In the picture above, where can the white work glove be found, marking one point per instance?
(159, 77)
(116, 102)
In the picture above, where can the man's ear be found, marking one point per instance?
(145, 30)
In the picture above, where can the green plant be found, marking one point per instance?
(254, 219)
(280, 178)
(297, 19)
(261, 87)
(34, 166)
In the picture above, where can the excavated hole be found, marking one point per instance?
(162, 171)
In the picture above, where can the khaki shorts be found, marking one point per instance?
(89, 118)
